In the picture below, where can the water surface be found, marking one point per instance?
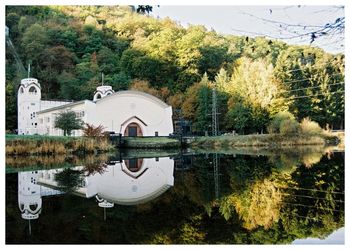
(177, 198)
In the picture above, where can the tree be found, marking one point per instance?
(34, 41)
(93, 131)
(143, 9)
(239, 117)
(314, 83)
(275, 124)
(68, 121)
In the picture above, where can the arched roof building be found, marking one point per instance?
(130, 113)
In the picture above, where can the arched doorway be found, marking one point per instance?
(134, 165)
(133, 130)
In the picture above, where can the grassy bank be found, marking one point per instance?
(54, 145)
(151, 142)
(263, 141)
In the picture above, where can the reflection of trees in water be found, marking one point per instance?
(317, 201)
(288, 161)
(94, 168)
(260, 206)
(54, 161)
(301, 191)
(69, 180)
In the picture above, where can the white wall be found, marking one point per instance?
(46, 120)
(115, 109)
(28, 104)
(110, 112)
(116, 186)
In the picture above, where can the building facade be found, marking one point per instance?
(130, 113)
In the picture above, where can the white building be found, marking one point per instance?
(130, 113)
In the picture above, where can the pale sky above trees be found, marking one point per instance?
(282, 22)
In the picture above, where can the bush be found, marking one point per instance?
(288, 127)
(275, 124)
(91, 131)
(310, 127)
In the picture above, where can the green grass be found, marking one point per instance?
(151, 142)
(10, 137)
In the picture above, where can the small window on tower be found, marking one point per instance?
(32, 90)
(21, 90)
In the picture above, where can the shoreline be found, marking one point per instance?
(60, 145)
(266, 141)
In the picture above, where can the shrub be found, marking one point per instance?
(91, 131)
(310, 127)
(275, 124)
(288, 127)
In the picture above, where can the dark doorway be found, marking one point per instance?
(132, 131)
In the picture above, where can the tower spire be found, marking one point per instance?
(102, 79)
(28, 70)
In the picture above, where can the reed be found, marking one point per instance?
(259, 141)
(50, 145)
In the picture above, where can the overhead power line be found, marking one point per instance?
(316, 190)
(317, 208)
(310, 197)
(302, 69)
(311, 78)
(298, 97)
(311, 87)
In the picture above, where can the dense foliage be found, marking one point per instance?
(68, 121)
(70, 46)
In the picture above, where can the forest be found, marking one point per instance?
(69, 47)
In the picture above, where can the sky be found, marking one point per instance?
(260, 20)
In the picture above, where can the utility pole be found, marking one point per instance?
(214, 113)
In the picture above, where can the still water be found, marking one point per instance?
(177, 198)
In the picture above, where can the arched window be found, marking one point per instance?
(21, 90)
(32, 90)
(98, 96)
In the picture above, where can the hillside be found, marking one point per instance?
(69, 47)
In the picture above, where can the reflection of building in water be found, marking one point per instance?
(30, 193)
(132, 181)
(129, 182)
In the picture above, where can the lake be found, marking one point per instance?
(155, 197)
